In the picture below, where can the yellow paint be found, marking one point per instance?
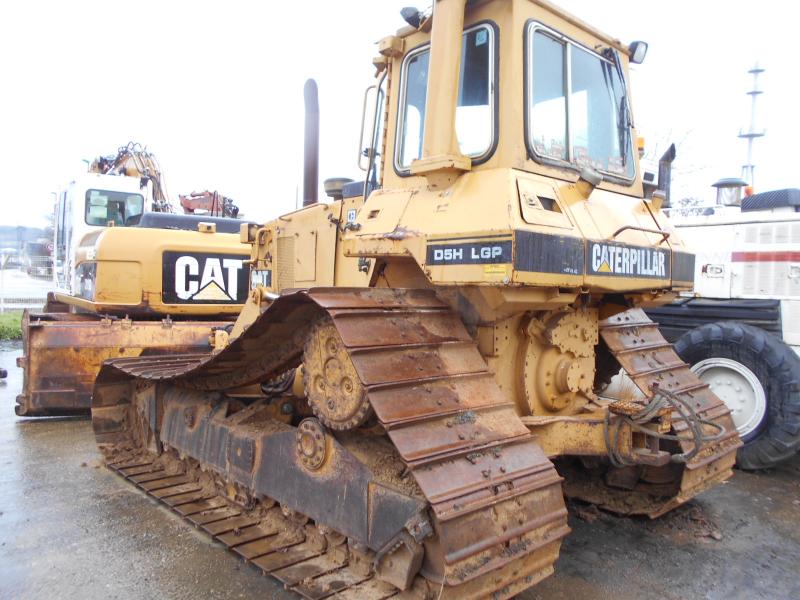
(445, 201)
(129, 273)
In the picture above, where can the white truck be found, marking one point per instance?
(87, 205)
(740, 328)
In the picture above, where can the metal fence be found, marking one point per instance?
(24, 281)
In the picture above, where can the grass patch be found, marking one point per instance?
(11, 325)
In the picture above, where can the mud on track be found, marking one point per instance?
(67, 530)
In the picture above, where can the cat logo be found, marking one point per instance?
(196, 278)
(621, 260)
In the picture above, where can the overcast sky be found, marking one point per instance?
(215, 90)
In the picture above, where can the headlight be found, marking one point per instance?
(85, 276)
(637, 51)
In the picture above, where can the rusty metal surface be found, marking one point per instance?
(496, 505)
(265, 538)
(649, 360)
(274, 342)
(62, 354)
(475, 463)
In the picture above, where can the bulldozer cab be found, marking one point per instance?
(516, 83)
(499, 151)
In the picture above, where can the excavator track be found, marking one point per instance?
(464, 504)
(649, 360)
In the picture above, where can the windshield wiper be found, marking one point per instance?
(624, 118)
(624, 124)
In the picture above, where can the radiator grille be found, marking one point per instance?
(285, 262)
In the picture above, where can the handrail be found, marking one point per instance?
(363, 119)
(664, 234)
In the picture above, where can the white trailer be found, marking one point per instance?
(740, 328)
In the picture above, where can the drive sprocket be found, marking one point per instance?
(333, 388)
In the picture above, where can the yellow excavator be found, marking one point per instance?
(130, 277)
(410, 388)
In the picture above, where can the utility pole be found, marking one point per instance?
(752, 133)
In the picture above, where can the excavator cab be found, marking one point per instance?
(86, 206)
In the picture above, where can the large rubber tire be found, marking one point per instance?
(777, 367)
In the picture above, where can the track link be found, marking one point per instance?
(303, 558)
(649, 360)
(494, 499)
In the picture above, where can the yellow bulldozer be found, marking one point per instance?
(411, 387)
(130, 278)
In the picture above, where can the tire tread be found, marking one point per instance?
(777, 367)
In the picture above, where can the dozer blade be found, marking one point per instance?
(450, 497)
(649, 360)
(62, 353)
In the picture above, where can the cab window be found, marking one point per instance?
(121, 208)
(475, 108)
(578, 111)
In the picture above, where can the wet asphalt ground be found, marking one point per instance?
(71, 529)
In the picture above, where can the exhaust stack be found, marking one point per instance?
(311, 143)
(665, 173)
(442, 159)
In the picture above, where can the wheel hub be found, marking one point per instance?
(738, 387)
(311, 444)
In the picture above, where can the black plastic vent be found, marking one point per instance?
(155, 220)
(789, 197)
